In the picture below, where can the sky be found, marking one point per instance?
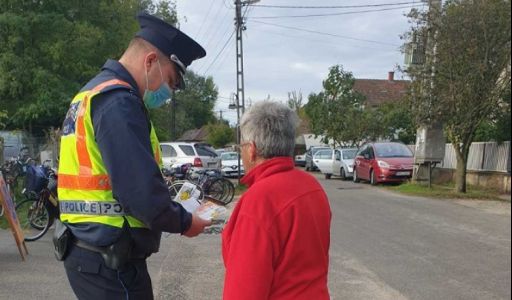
(285, 52)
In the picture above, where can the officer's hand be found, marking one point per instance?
(197, 226)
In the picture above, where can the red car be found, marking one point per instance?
(383, 162)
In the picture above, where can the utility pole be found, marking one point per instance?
(173, 129)
(240, 87)
(235, 104)
(430, 142)
(240, 27)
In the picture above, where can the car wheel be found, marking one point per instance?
(355, 178)
(343, 174)
(328, 176)
(373, 180)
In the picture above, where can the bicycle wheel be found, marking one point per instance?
(34, 219)
(175, 187)
(215, 189)
(229, 191)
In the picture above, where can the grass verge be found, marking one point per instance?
(240, 189)
(446, 191)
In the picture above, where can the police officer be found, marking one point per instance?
(112, 195)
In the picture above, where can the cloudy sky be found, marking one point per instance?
(284, 51)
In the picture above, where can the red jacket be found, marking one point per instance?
(276, 243)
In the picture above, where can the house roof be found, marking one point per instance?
(379, 91)
(194, 135)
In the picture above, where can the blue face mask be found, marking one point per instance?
(155, 99)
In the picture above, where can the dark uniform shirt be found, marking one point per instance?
(122, 132)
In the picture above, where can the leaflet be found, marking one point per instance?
(189, 197)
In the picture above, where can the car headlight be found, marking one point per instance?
(383, 164)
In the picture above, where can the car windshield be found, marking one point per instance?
(229, 156)
(349, 154)
(392, 150)
(205, 150)
(315, 150)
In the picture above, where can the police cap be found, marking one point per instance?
(180, 48)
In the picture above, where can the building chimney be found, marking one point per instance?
(391, 76)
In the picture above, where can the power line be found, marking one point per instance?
(327, 42)
(214, 35)
(227, 5)
(219, 8)
(204, 20)
(333, 6)
(218, 54)
(336, 14)
(324, 33)
(219, 38)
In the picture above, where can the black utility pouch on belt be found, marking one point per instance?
(116, 255)
(119, 253)
(62, 239)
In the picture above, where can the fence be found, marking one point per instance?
(487, 156)
(39, 148)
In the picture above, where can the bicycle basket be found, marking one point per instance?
(36, 179)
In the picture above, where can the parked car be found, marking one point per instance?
(310, 165)
(198, 154)
(383, 162)
(229, 162)
(300, 160)
(337, 162)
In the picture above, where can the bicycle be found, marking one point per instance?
(40, 209)
(213, 184)
(11, 171)
(175, 178)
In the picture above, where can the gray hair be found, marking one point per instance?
(271, 126)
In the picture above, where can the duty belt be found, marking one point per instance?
(96, 208)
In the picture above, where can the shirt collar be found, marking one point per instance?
(120, 71)
(268, 168)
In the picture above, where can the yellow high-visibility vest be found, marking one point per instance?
(84, 189)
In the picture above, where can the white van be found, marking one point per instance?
(337, 162)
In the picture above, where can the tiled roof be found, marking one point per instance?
(194, 135)
(378, 91)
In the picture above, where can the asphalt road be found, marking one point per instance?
(383, 246)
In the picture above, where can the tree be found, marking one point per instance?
(295, 102)
(394, 122)
(337, 112)
(498, 128)
(192, 108)
(220, 134)
(3, 118)
(49, 49)
(464, 83)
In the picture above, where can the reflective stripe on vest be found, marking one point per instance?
(84, 189)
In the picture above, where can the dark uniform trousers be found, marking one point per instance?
(91, 279)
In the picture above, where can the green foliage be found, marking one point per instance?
(498, 128)
(220, 134)
(395, 122)
(193, 108)
(337, 112)
(295, 102)
(464, 86)
(49, 49)
(3, 118)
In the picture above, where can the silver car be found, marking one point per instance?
(197, 154)
(337, 162)
(229, 161)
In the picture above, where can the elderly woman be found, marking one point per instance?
(276, 243)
